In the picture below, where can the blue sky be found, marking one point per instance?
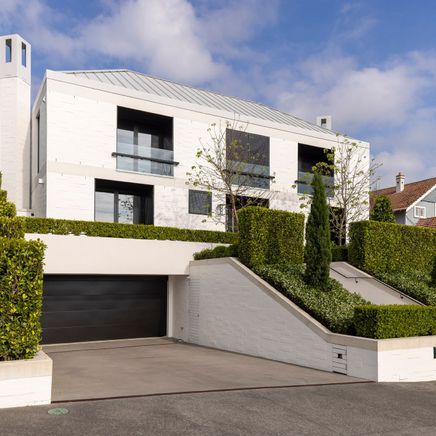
(371, 64)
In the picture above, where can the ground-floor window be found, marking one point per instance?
(126, 203)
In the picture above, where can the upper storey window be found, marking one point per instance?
(248, 155)
(8, 48)
(145, 142)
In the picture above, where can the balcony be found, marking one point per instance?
(143, 159)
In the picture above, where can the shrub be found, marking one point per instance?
(382, 210)
(21, 274)
(270, 236)
(7, 209)
(334, 309)
(133, 231)
(11, 227)
(394, 321)
(384, 247)
(220, 251)
(339, 253)
(433, 275)
(317, 251)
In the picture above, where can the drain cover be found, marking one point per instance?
(58, 411)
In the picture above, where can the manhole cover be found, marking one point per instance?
(58, 411)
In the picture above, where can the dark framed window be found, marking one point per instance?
(253, 152)
(200, 202)
(119, 202)
(23, 54)
(8, 48)
(144, 142)
(38, 142)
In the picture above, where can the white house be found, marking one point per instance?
(115, 145)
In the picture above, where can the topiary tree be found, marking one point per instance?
(382, 210)
(318, 245)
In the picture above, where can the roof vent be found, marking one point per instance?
(324, 121)
(400, 182)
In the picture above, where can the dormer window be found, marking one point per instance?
(419, 212)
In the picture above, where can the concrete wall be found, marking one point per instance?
(69, 254)
(224, 305)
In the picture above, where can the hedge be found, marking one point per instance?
(334, 309)
(214, 253)
(339, 253)
(269, 236)
(11, 227)
(384, 247)
(394, 321)
(133, 231)
(21, 275)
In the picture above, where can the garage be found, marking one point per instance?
(78, 308)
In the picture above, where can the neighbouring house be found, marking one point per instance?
(413, 203)
(115, 145)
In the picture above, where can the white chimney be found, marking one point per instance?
(400, 182)
(324, 121)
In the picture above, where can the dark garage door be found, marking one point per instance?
(95, 307)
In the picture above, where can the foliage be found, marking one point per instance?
(318, 246)
(383, 247)
(354, 174)
(413, 283)
(227, 166)
(133, 231)
(382, 210)
(334, 309)
(21, 273)
(339, 253)
(394, 321)
(270, 236)
(220, 251)
(433, 274)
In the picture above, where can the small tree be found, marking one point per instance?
(318, 246)
(382, 210)
(353, 174)
(231, 166)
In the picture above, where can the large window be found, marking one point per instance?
(308, 157)
(249, 153)
(8, 50)
(126, 203)
(144, 142)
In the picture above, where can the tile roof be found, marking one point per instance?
(411, 193)
(427, 222)
(164, 88)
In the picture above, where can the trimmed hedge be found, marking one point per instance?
(394, 321)
(384, 247)
(11, 227)
(269, 236)
(7, 209)
(339, 253)
(214, 253)
(133, 231)
(21, 274)
(334, 309)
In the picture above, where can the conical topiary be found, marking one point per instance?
(318, 246)
(382, 210)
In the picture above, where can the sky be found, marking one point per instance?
(371, 64)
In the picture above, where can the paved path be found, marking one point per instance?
(376, 292)
(151, 366)
(348, 409)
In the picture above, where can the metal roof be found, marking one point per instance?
(164, 88)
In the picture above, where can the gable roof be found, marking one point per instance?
(165, 88)
(411, 194)
(427, 222)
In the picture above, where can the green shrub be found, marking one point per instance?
(317, 251)
(11, 227)
(21, 272)
(270, 236)
(382, 210)
(384, 247)
(133, 231)
(334, 309)
(394, 321)
(7, 209)
(339, 253)
(433, 275)
(220, 251)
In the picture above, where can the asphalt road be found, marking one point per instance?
(353, 409)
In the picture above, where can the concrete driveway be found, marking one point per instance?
(141, 367)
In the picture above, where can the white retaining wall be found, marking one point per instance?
(224, 305)
(26, 382)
